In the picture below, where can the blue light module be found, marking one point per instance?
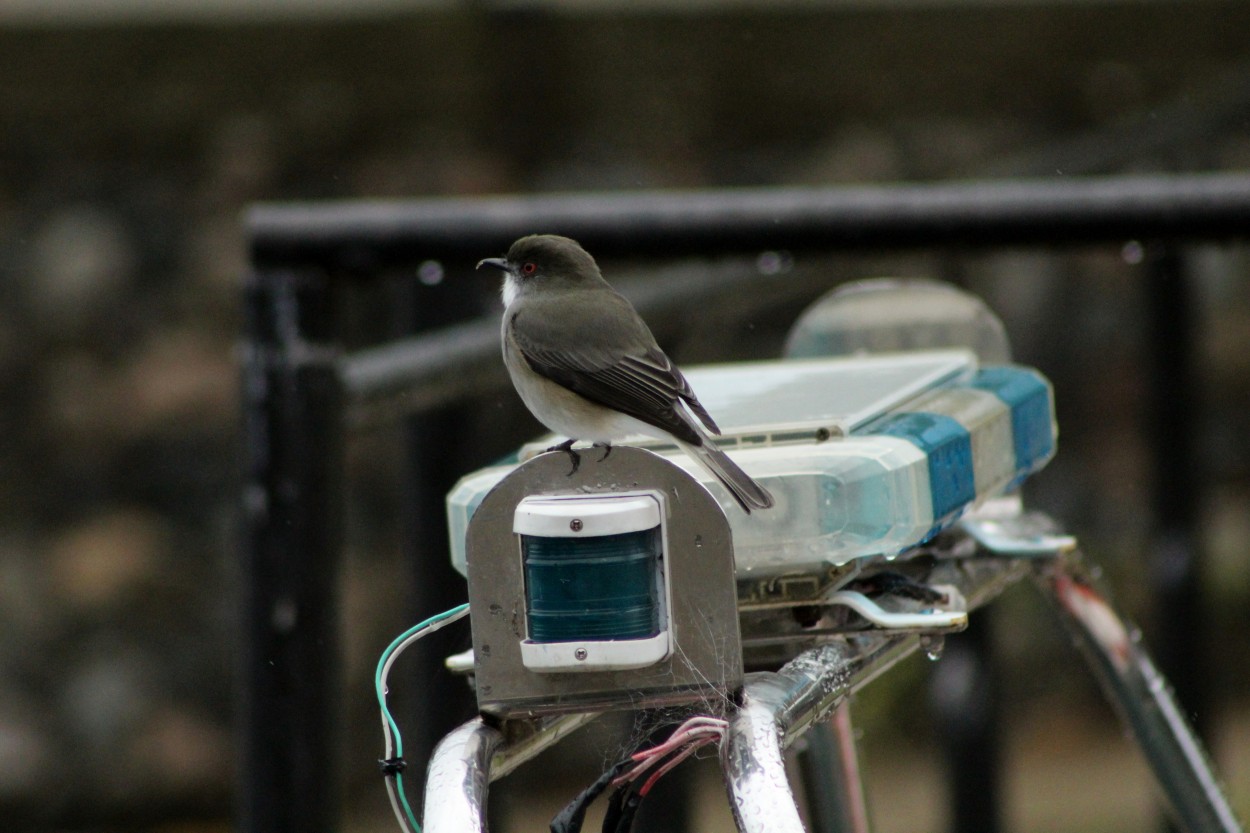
(866, 456)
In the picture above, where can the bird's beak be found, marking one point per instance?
(497, 262)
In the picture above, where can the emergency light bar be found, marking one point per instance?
(866, 456)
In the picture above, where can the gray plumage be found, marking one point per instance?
(588, 367)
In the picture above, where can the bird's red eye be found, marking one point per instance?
(529, 268)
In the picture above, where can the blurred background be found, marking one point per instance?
(133, 134)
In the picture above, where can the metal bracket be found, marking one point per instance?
(927, 620)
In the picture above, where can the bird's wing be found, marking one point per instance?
(660, 370)
(611, 359)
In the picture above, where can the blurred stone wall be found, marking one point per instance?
(127, 154)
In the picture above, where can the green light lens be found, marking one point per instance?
(595, 588)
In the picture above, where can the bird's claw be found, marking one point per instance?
(567, 448)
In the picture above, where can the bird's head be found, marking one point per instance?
(544, 260)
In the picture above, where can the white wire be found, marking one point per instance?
(392, 793)
(389, 729)
(435, 623)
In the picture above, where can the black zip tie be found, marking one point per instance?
(391, 766)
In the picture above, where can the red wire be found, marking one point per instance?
(674, 761)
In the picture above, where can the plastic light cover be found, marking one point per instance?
(865, 456)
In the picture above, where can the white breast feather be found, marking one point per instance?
(509, 290)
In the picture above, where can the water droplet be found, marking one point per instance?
(284, 615)
(1133, 252)
(430, 273)
(774, 263)
(698, 541)
(933, 646)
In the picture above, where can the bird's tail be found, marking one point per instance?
(749, 494)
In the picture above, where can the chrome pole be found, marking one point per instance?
(1142, 696)
(458, 778)
(832, 787)
(778, 707)
(470, 757)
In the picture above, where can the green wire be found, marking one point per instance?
(403, 799)
(379, 688)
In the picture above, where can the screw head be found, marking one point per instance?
(576, 524)
(581, 654)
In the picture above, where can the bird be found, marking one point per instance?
(587, 366)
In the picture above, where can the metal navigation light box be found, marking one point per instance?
(637, 580)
